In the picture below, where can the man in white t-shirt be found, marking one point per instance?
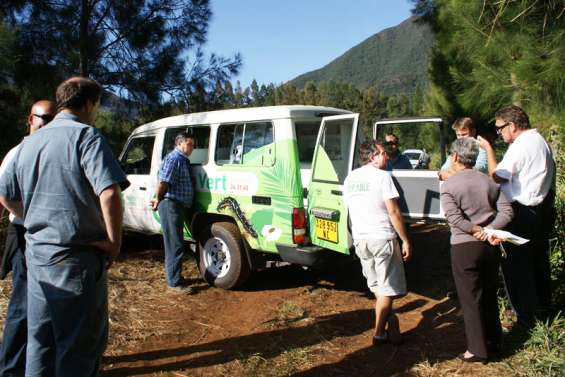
(527, 177)
(371, 196)
(12, 350)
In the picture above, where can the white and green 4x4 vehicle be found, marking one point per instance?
(268, 185)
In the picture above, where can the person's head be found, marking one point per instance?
(41, 113)
(464, 151)
(510, 122)
(392, 141)
(464, 127)
(375, 153)
(79, 95)
(184, 142)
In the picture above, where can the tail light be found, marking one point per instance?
(298, 226)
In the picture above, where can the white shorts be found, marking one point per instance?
(382, 265)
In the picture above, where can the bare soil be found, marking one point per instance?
(284, 321)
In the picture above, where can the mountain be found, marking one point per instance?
(395, 60)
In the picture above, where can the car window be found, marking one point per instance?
(137, 158)
(245, 144)
(201, 135)
(306, 134)
(420, 143)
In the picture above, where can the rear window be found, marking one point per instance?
(306, 134)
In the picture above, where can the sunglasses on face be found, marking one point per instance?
(500, 128)
(45, 117)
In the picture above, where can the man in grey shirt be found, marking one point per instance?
(64, 183)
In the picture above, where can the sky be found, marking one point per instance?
(281, 39)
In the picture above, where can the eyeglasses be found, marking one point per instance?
(392, 143)
(500, 128)
(45, 117)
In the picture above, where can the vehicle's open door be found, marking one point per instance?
(419, 188)
(333, 160)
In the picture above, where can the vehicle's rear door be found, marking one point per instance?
(334, 157)
(419, 188)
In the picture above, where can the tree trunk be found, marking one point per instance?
(83, 38)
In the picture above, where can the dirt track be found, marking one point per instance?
(285, 321)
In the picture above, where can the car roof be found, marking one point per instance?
(247, 114)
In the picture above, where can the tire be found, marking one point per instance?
(223, 259)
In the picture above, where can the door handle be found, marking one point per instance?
(142, 188)
(337, 192)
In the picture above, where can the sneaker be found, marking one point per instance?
(393, 330)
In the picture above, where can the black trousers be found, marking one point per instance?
(526, 270)
(475, 271)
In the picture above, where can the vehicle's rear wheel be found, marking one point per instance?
(223, 259)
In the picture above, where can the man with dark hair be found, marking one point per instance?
(65, 184)
(527, 177)
(396, 159)
(13, 347)
(370, 195)
(172, 199)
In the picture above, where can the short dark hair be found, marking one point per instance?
(369, 148)
(74, 93)
(514, 114)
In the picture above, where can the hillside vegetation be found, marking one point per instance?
(395, 60)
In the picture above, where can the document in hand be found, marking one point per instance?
(506, 236)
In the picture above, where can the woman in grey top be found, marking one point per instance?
(471, 201)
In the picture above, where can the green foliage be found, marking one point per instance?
(394, 60)
(142, 50)
(115, 129)
(492, 53)
(544, 352)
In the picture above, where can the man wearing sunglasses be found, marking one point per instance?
(12, 349)
(527, 177)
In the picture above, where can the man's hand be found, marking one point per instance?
(154, 204)
(112, 249)
(406, 251)
(484, 143)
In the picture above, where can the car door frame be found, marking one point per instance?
(418, 201)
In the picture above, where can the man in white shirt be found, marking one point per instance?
(12, 350)
(370, 195)
(527, 177)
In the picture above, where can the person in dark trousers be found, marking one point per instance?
(66, 185)
(527, 177)
(173, 198)
(472, 201)
(14, 342)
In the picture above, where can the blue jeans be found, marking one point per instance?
(172, 220)
(68, 316)
(13, 349)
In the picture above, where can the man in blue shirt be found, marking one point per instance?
(64, 183)
(13, 347)
(396, 159)
(464, 127)
(173, 197)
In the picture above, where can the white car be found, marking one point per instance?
(419, 159)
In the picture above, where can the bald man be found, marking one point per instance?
(12, 350)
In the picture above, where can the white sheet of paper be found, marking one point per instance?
(506, 236)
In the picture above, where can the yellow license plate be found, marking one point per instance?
(326, 230)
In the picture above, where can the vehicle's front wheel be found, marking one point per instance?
(223, 259)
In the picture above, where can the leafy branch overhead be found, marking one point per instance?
(141, 49)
